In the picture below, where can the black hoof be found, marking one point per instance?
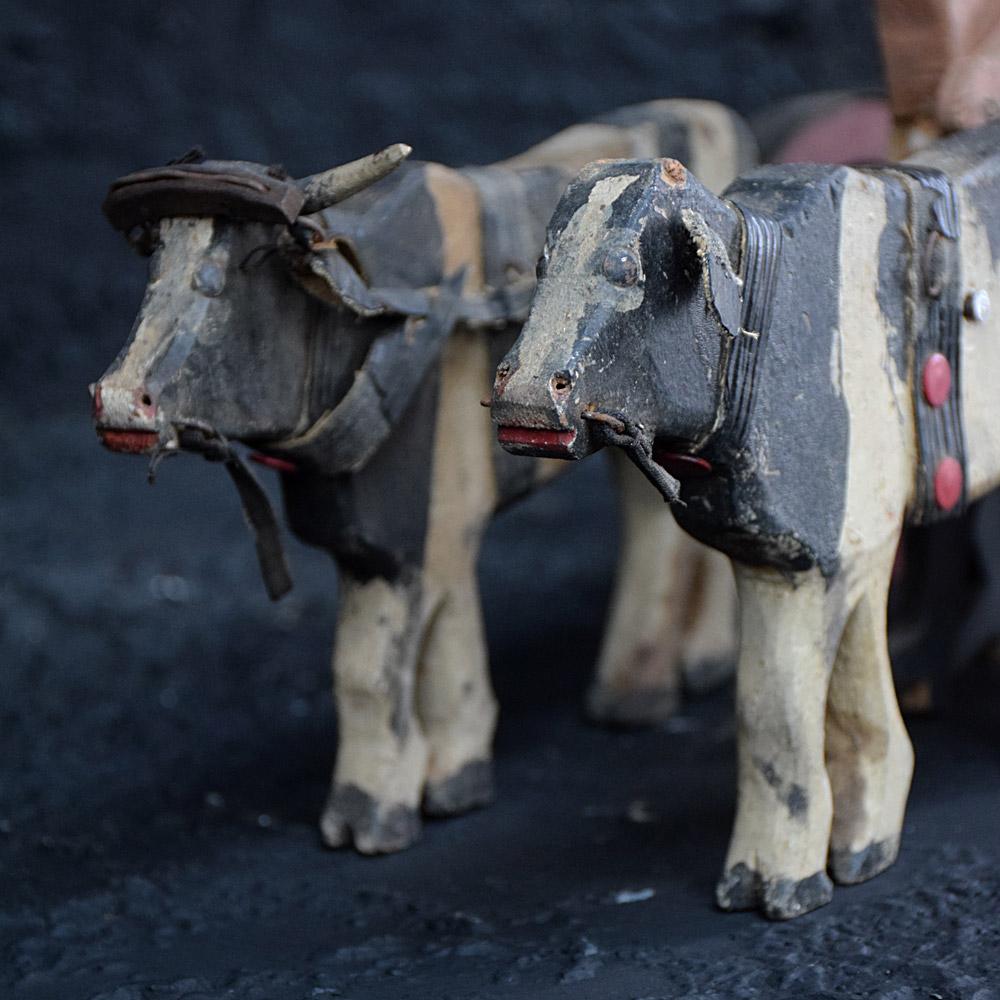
(785, 899)
(851, 867)
(740, 888)
(470, 787)
(352, 816)
(632, 708)
(702, 677)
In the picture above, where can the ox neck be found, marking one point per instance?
(344, 438)
(760, 263)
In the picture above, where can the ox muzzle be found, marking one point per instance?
(540, 418)
(549, 421)
(125, 418)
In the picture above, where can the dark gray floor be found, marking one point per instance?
(166, 733)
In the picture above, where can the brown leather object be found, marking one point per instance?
(202, 189)
(970, 91)
(855, 130)
(942, 59)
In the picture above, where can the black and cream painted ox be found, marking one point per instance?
(347, 331)
(803, 365)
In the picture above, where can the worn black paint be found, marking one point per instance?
(278, 377)
(791, 794)
(778, 492)
(850, 867)
(106, 807)
(356, 516)
(894, 264)
(776, 432)
(741, 888)
(935, 301)
(471, 786)
(386, 828)
(779, 496)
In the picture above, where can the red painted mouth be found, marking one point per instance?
(541, 440)
(128, 442)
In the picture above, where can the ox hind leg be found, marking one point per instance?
(455, 700)
(711, 631)
(673, 611)
(382, 752)
(868, 753)
(454, 696)
(778, 851)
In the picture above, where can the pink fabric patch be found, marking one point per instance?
(857, 131)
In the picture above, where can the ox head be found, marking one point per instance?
(224, 336)
(638, 299)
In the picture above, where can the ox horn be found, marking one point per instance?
(327, 188)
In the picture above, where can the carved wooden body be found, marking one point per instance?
(815, 347)
(352, 348)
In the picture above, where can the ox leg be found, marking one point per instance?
(637, 680)
(455, 702)
(454, 696)
(711, 629)
(382, 752)
(777, 854)
(869, 755)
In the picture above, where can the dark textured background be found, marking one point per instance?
(166, 734)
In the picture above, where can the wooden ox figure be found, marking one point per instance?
(802, 365)
(349, 332)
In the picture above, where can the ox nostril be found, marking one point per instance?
(502, 376)
(95, 395)
(560, 383)
(144, 405)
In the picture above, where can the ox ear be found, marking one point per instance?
(327, 188)
(329, 276)
(723, 287)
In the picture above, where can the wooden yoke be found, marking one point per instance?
(942, 64)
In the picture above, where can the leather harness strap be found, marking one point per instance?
(758, 273)
(201, 189)
(343, 439)
(198, 437)
(942, 470)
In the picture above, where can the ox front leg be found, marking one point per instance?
(382, 753)
(777, 855)
(455, 701)
(638, 675)
(869, 755)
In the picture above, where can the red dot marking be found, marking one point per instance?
(936, 379)
(948, 481)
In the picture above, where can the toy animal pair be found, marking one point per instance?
(799, 367)
(346, 327)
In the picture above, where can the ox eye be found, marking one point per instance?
(209, 279)
(542, 265)
(621, 268)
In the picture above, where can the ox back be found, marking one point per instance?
(786, 440)
(411, 232)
